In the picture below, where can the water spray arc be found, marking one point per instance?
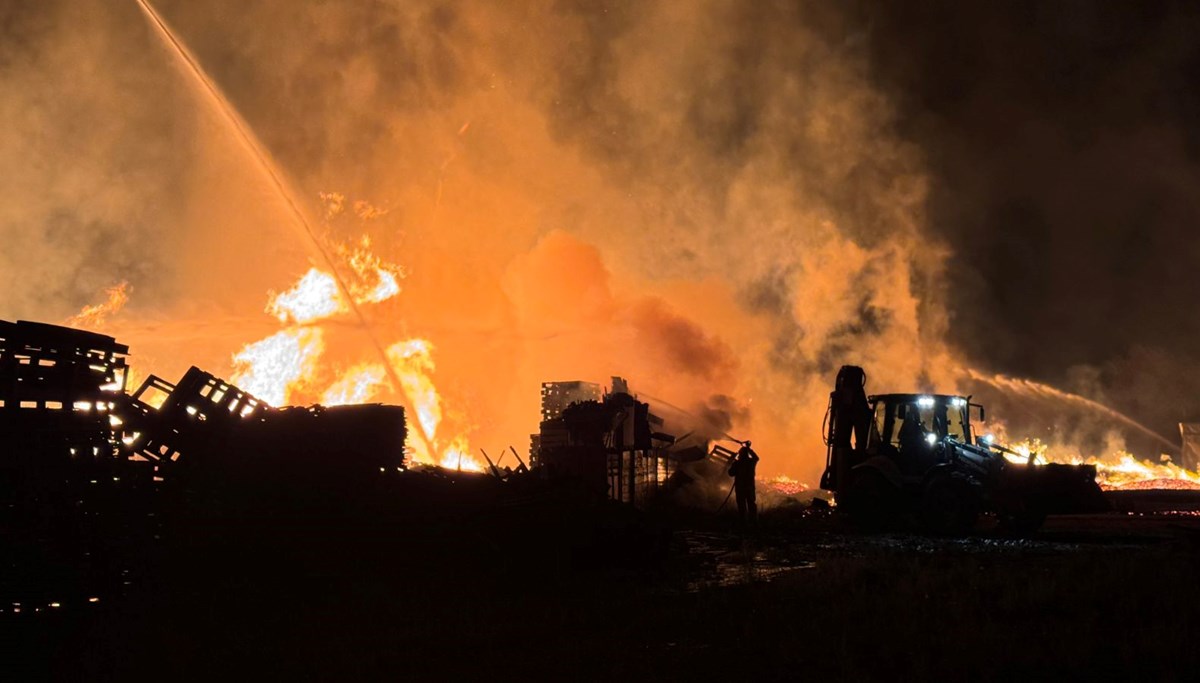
(1030, 387)
(275, 177)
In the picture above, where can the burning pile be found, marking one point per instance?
(298, 364)
(786, 486)
(1121, 470)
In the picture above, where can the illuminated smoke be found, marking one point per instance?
(709, 199)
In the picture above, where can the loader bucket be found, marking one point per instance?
(1054, 489)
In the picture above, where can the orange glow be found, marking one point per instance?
(376, 280)
(786, 485)
(1116, 470)
(312, 360)
(93, 317)
(357, 385)
(554, 224)
(276, 368)
(315, 297)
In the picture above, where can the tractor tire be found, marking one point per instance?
(1021, 523)
(872, 500)
(950, 505)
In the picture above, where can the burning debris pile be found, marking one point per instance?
(60, 390)
(214, 429)
(86, 465)
(306, 361)
(1121, 471)
(68, 424)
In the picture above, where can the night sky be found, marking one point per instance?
(1064, 140)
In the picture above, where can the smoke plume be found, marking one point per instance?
(711, 199)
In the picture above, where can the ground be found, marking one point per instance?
(1106, 597)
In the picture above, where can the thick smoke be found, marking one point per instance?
(1064, 143)
(708, 198)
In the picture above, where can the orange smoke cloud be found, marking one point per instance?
(707, 200)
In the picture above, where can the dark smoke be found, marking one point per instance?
(1064, 143)
(717, 416)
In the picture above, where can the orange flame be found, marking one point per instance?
(786, 485)
(315, 297)
(93, 317)
(276, 368)
(1116, 470)
(296, 365)
(357, 385)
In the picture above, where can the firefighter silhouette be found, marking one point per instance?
(742, 471)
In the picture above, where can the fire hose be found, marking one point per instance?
(727, 497)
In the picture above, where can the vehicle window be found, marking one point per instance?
(879, 424)
(938, 417)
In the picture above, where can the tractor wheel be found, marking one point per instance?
(949, 505)
(1024, 522)
(872, 501)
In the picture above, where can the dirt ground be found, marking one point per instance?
(1105, 597)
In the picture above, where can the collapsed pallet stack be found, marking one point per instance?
(57, 388)
(68, 428)
(60, 441)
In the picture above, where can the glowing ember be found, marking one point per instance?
(1129, 472)
(1121, 470)
(786, 485)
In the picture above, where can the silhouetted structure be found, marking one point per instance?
(213, 436)
(206, 475)
(556, 397)
(60, 435)
(70, 436)
(610, 446)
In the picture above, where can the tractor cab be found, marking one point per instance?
(908, 428)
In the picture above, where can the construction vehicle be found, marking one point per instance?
(893, 457)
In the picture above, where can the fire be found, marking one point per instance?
(786, 485)
(1129, 472)
(296, 365)
(280, 365)
(357, 385)
(1120, 470)
(413, 365)
(376, 280)
(93, 317)
(315, 297)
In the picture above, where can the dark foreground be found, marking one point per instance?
(1105, 597)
